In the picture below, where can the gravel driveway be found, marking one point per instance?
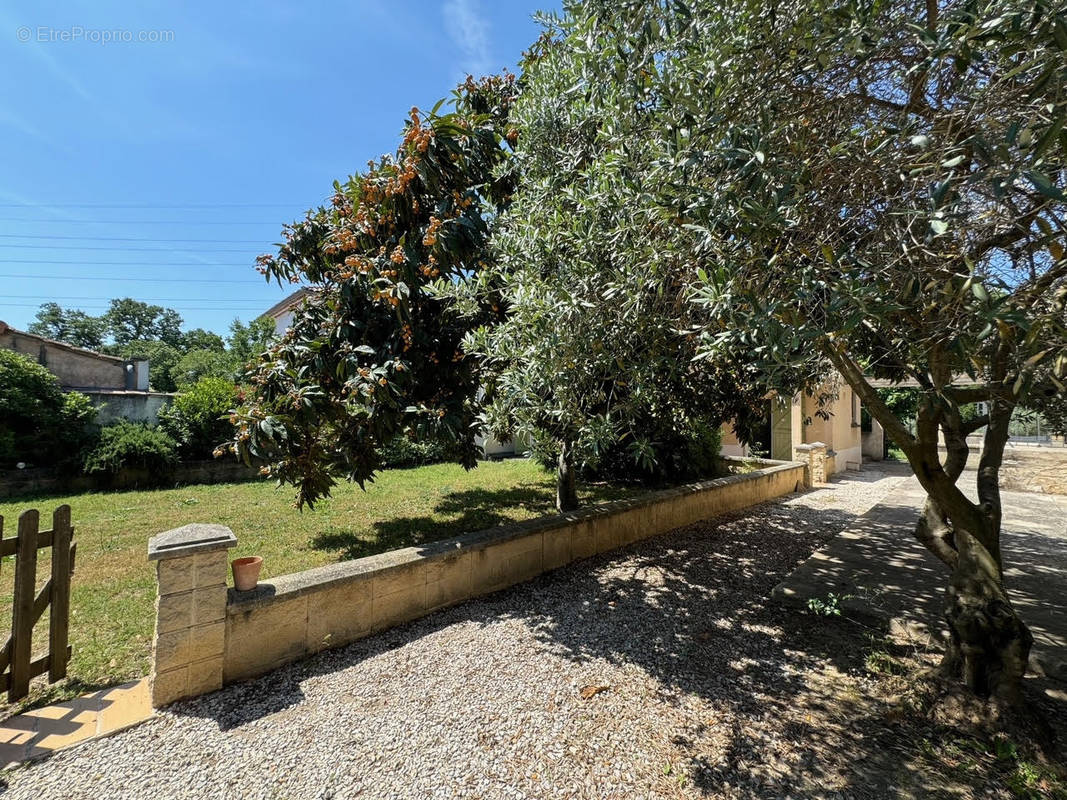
(656, 671)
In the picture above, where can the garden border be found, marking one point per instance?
(206, 638)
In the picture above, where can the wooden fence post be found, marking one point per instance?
(22, 616)
(59, 608)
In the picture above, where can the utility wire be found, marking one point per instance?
(183, 308)
(140, 221)
(125, 248)
(65, 298)
(124, 238)
(147, 205)
(142, 280)
(121, 263)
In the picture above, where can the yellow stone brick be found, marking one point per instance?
(169, 686)
(448, 580)
(177, 648)
(209, 604)
(500, 565)
(176, 575)
(558, 546)
(174, 612)
(262, 638)
(211, 567)
(401, 578)
(205, 676)
(399, 605)
(583, 540)
(338, 615)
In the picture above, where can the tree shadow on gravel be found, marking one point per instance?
(792, 713)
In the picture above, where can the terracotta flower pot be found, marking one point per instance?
(246, 572)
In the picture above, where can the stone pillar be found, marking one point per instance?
(818, 463)
(187, 652)
(813, 456)
(802, 453)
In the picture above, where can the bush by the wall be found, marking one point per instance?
(687, 451)
(403, 451)
(198, 418)
(39, 424)
(128, 445)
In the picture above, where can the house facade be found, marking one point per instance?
(118, 387)
(796, 421)
(282, 312)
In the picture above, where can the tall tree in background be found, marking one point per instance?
(248, 342)
(130, 320)
(376, 350)
(873, 187)
(69, 325)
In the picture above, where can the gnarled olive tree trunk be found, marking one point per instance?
(989, 644)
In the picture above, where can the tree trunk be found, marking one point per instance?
(990, 645)
(566, 491)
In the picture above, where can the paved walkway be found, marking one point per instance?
(42, 731)
(882, 570)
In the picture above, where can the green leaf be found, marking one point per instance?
(1042, 183)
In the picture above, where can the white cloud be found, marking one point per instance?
(469, 29)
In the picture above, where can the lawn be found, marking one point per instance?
(114, 585)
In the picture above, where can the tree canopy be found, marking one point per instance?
(375, 349)
(874, 188)
(590, 361)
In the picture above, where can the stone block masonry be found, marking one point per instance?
(207, 637)
(190, 641)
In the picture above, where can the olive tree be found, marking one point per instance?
(876, 188)
(591, 359)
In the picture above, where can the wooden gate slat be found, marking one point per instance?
(22, 608)
(62, 566)
(40, 602)
(39, 666)
(9, 546)
(17, 665)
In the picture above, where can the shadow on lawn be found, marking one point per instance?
(455, 514)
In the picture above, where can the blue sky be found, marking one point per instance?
(159, 169)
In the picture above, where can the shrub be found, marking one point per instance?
(129, 445)
(404, 451)
(197, 364)
(687, 451)
(198, 419)
(39, 424)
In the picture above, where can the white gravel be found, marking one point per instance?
(700, 689)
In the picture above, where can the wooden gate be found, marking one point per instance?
(16, 658)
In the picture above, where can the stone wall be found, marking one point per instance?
(1030, 468)
(19, 482)
(293, 616)
(134, 406)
